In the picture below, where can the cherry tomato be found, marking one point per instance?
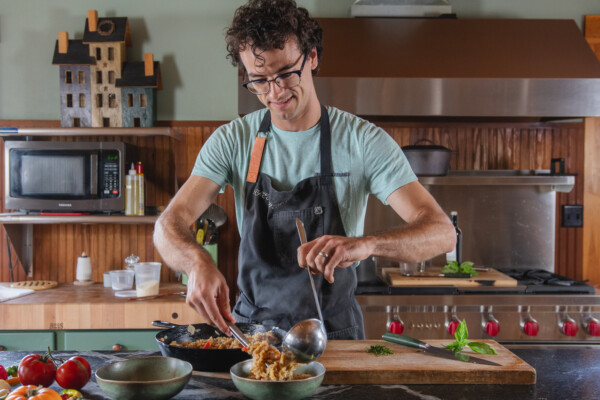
(3, 373)
(74, 373)
(35, 369)
(71, 394)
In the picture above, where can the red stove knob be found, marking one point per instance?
(531, 328)
(593, 328)
(492, 328)
(452, 326)
(570, 328)
(396, 327)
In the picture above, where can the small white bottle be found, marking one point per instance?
(131, 192)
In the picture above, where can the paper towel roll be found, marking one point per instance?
(84, 268)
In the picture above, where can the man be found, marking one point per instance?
(318, 164)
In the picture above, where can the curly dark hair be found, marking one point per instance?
(268, 24)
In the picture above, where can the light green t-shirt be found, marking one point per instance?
(365, 160)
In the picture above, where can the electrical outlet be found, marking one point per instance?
(572, 215)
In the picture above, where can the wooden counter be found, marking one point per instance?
(93, 307)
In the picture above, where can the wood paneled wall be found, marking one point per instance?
(591, 199)
(168, 162)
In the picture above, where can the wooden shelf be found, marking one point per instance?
(156, 131)
(19, 218)
(543, 178)
(19, 228)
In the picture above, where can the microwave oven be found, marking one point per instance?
(63, 177)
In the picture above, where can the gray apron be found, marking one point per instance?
(274, 290)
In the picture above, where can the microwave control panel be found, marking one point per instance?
(111, 184)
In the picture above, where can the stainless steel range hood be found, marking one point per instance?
(455, 67)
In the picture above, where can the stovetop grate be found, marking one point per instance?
(539, 281)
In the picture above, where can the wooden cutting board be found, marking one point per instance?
(35, 285)
(491, 277)
(347, 363)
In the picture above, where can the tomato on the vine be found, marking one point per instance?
(74, 373)
(35, 369)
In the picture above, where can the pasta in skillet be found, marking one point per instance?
(224, 342)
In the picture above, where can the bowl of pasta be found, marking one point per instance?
(272, 374)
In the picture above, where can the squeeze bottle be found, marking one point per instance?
(130, 192)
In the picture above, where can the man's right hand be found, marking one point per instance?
(208, 294)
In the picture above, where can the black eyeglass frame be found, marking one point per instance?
(268, 81)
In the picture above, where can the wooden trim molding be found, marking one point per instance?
(591, 199)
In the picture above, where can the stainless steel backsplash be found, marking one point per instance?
(507, 217)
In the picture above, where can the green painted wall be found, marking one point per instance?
(186, 36)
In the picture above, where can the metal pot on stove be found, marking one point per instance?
(427, 158)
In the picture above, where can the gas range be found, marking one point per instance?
(544, 308)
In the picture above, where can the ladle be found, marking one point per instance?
(307, 339)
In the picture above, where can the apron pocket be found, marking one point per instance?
(344, 321)
(287, 241)
(343, 326)
(351, 333)
(243, 310)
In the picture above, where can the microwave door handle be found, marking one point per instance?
(94, 174)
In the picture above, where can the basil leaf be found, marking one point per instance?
(461, 334)
(467, 268)
(451, 267)
(481, 348)
(462, 339)
(454, 346)
(466, 265)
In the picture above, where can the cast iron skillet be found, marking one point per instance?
(212, 360)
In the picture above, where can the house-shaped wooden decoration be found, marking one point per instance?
(98, 87)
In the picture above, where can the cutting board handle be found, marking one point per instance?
(403, 340)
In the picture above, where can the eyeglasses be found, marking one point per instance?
(286, 80)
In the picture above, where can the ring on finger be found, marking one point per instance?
(324, 255)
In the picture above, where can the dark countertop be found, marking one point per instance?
(562, 374)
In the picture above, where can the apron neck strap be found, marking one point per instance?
(265, 124)
(325, 147)
(258, 148)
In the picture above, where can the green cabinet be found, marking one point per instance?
(141, 339)
(28, 340)
(81, 340)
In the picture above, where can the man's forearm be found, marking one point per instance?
(413, 243)
(177, 245)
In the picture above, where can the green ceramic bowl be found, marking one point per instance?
(146, 378)
(277, 390)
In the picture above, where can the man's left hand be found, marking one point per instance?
(326, 253)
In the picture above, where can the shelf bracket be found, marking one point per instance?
(21, 237)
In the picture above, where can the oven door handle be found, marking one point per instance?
(94, 174)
